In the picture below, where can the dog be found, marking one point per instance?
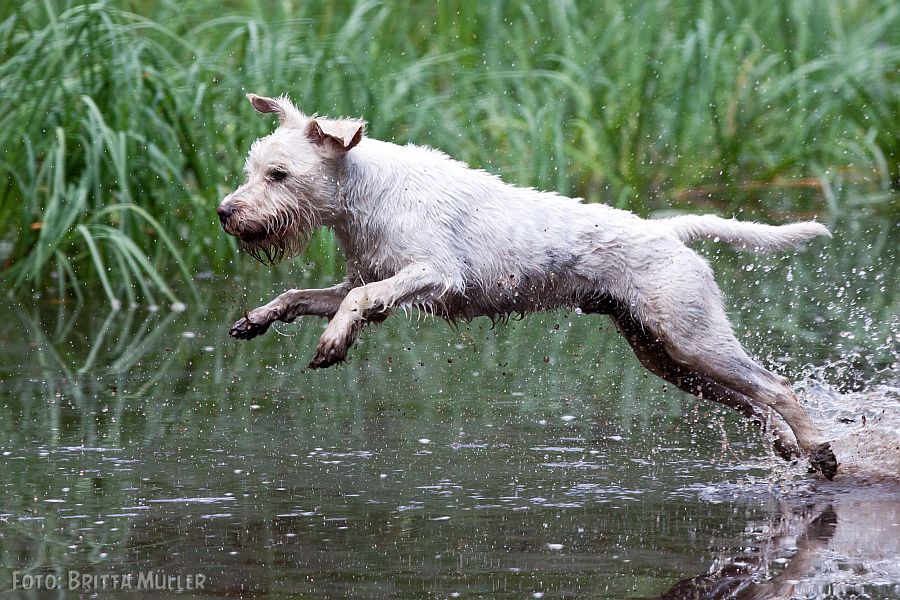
(421, 230)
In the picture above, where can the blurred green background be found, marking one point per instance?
(124, 122)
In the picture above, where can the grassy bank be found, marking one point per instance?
(125, 122)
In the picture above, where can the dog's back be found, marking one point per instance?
(503, 248)
(517, 247)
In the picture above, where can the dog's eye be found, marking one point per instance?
(277, 174)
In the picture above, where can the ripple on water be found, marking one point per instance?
(210, 500)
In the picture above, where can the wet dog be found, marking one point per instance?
(419, 229)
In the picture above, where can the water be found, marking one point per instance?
(532, 460)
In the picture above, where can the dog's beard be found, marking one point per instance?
(281, 240)
(272, 250)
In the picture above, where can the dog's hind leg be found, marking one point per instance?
(690, 322)
(679, 303)
(653, 356)
(734, 369)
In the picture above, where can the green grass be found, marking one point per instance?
(125, 122)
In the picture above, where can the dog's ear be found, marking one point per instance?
(335, 137)
(287, 112)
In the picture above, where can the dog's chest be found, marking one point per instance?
(371, 256)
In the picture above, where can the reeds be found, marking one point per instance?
(121, 130)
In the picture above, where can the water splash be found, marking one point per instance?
(864, 427)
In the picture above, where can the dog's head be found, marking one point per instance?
(290, 187)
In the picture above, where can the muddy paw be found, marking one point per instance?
(247, 328)
(327, 354)
(823, 460)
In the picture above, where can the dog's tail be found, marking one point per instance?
(743, 235)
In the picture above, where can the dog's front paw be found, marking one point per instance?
(249, 327)
(330, 351)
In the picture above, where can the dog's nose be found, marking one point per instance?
(225, 210)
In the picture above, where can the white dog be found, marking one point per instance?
(419, 229)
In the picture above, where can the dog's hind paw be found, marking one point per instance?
(823, 460)
(247, 329)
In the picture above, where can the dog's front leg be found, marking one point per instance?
(418, 284)
(288, 306)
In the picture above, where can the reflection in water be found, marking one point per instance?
(537, 460)
(794, 542)
(835, 543)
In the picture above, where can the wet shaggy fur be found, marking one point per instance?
(420, 229)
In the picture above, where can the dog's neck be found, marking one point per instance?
(358, 220)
